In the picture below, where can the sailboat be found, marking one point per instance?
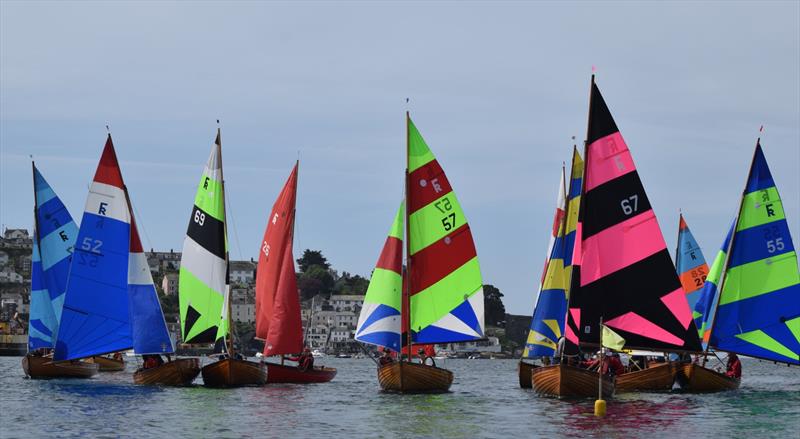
(104, 311)
(204, 284)
(54, 233)
(442, 296)
(750, 303)
(547, 323)
(622, 273)
(278, 320)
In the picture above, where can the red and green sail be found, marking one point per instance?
(445, 288)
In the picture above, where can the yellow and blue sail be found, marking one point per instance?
(758, 311)
(547, 324)
(54, 237)
(703, 310)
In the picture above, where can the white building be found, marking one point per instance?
(346, 302)
(341, 334)
(169, 285)
(243, 272)
(3, 258)
(10, 276)
(243, 312)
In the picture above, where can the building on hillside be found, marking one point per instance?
(346, 302)
(243, 272)
(16, 234)
(317, 336)
(488, 345)
(9, 276)
(243, 311)
(3, 258)
(169, 285)
(163, 261)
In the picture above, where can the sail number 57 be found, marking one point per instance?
(630, 204)
(449, 221)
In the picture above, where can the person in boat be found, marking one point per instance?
(305, 361)
(117, 356)
(386, 358)
(424, 356)
(615, 364)
(151, 361)
(734, 366)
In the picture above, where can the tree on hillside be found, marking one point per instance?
(315, 280)
(311, 258)
(350, 284)
(494, 310)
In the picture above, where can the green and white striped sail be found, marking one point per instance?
(446, 289)
(204, 289)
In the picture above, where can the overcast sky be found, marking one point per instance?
(497, 89)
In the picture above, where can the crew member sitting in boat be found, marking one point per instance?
(424, 355)
(151, 361)
(305, 361)
(386, 358)
(734, 366)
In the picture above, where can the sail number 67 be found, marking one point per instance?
(630, 204)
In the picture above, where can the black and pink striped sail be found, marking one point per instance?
(626, 275)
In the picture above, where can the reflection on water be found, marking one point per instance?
(485, 402)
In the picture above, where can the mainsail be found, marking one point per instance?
(690, 264)
(445, 286)
(379, 321)
(706, 304)
(626, 276)
(54, 239)
(203, 288)
(150, 334)
(278, 319)
(551, 303)
(758, 311)
(96, 318)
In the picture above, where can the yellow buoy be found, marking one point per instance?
(600, 408)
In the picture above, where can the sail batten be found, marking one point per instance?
(626, 276)
(758, 309)
(445, 283)
(278, 319)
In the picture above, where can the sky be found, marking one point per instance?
(497, 90)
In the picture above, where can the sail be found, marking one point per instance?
(759, 306)
(706, 304)
(547, 323)
(379, 321)
(96, 315)
(203, 284)
(690, 264)
(150, 334)
(278, 319)
(445, 285)
(54, 238)
(626, 276)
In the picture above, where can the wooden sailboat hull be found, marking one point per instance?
(230, 372)
(107, 364)
(38, 367)
(407, 377)
(179, 372)
(525, 370)
(563, 381)
(657, 378)
(696, 378)
(278, 373)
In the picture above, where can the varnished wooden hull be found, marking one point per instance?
(696, 378)
(524, 369)
(407, 377)
(107, 364)
(658, 378)
(277, 373)
(234, 373)
(179, 372)
(44, 367)
(563, 381)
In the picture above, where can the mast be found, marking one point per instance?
(35, 233)
(407, 295)
(724, 273)
(229, 341)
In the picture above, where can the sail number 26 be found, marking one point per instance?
(444, 206)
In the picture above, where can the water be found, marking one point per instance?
(485, 402)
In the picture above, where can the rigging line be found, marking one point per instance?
(140, 223)
(229, 208)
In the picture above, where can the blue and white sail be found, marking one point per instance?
(54, 237)
(97, 317)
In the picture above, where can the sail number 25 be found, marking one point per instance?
(444, 206)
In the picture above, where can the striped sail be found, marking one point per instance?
(547, 323)
(54, 239)
(379, 321)
(203, 282)
(96, 318)
(759, 307)
(573, 208)
(690, 264)
(626, 276)
(706, 304)
(149, 330)
(445, 285)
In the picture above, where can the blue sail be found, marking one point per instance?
(54, 237)
(96, 318)
(150, 334)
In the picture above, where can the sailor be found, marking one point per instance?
(305, 360)
(734, 366)
(386, 358)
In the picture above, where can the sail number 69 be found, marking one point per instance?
(199, 217)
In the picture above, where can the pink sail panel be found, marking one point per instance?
(637, 324)
(676, 302)
(278, 319)
(611, 159)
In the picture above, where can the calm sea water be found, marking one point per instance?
(485, 402)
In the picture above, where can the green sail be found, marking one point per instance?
(203, 289)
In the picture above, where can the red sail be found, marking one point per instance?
(277, 301)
